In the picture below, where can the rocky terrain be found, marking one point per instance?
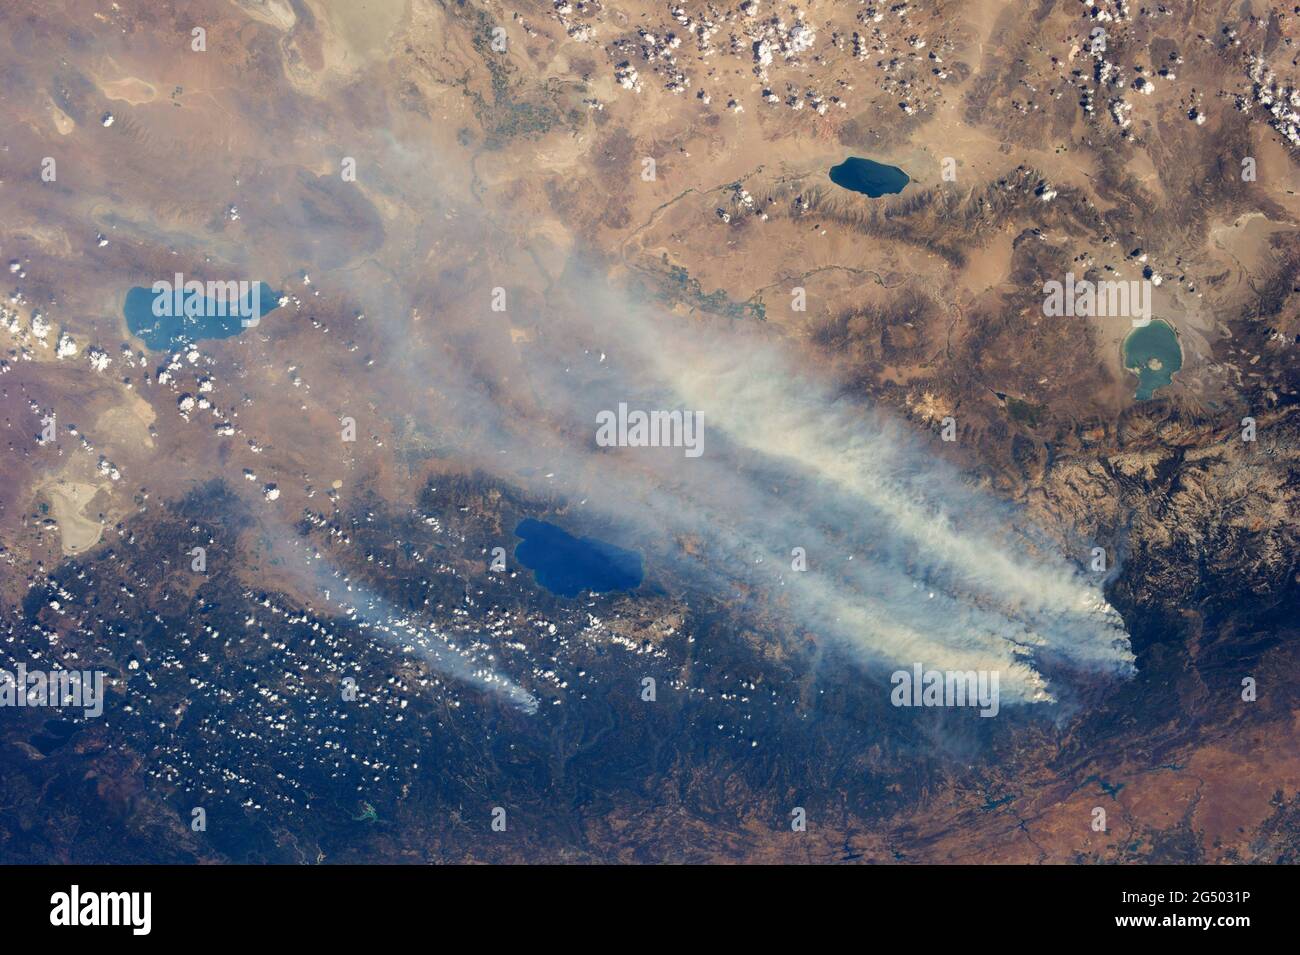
(347, 467)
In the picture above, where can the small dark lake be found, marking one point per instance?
(870, 178)
(567, 565)
(198, 319)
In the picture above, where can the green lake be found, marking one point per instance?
(1153, 353)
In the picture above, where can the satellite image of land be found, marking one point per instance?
(649, 431)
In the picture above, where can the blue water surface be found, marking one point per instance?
(868, 177)
(567, 565)
(167, 333)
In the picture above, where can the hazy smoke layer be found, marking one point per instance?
(404, 633)
(905, 562)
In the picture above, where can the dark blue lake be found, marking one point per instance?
(567, 565)
(869, 178)
(196, 320)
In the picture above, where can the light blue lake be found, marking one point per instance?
(168, 332)
(1154, 354)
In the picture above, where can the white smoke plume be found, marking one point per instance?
(906, 562)
(463, 660)
(909, 563)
